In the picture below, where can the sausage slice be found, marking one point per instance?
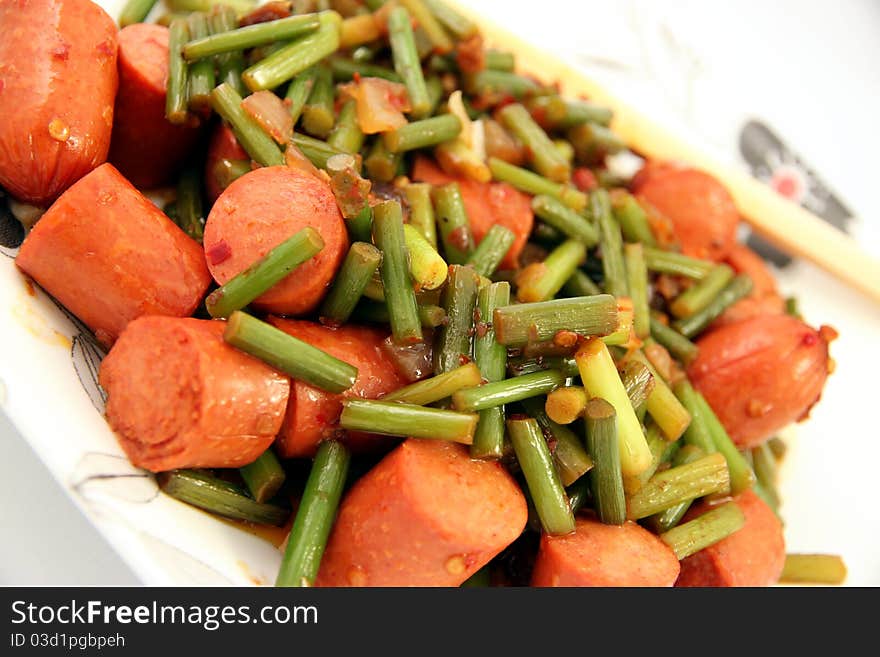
(178, 396)
(426, 515)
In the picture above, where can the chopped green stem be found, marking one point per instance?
(813, 569)
(241, 7)
(600, 379)
(638, 381)
(265, 273)
(397, 419)
(176, 97)
(226, 172)
(460, 26)
(452, 221)
(424, 133)
(381, 164)
(421, 211)
(701, 294)
(219, 496)
(531, 183)
(135, 11)
(611, 241)
(697, 433)
(666, 489)
(491, 359)
(544, 155)
(606, 478)
(592, 142)
(677, 264)
(294, 357)
(352, 194)
(253, 139)
(430, 25)
(201, 73)
(296, 57)
(299, 90)
(584, 111)
(500, 60)
(315, 516)
(492, 249)
(495, 86)
(534, 322)
(555, 213)
(347, 135)
(572, 460)
(567, 404)
(706, 530)
(637, 283)
(452, 346)
(666, 520)
(428, 269)
(318, 152)
(259, 34)
(318, 117)
(406, 60)
(507, 391)
(541, 281)
(388, 235)
(764, 464)
(190, 215)
(632, 218)
(741, 476)
(662, 405)
(264, 477)
(778, 447)
(545, 486)
(347, 69)
(661, 452)
(675, 343)
(579, 494)
(357, 269)
(435, 388)
(520, 366)
(230, 64)
(580, 285)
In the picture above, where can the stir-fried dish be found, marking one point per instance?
(411, 308)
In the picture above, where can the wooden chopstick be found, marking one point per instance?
(785, 224)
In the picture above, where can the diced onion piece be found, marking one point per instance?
(269, 111)
(296, 160)
(380, 104)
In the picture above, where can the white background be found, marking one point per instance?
(811, 70)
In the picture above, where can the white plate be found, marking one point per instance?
(48, 389)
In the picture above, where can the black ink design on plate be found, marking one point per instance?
(773, 162)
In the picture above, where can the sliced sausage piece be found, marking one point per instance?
(262, 209)
(760, 374)
(764, 298)
(752, 556)
(109, 255)
(146, 148)
(313, 414)
(57, 83)
(604, 555)
(701, 210)
(486, 204)
(223, 146)
(426, 515)
(178, 396)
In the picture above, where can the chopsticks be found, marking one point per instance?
(785, 224)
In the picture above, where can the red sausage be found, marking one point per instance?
(763, 299)
(146, 148)
(109, 255)
(752, 556)
(262, 209)
(57, 84)
(700, 208)
(313, 414)
(605, 555)
(760, 374)
(179, 397)
(486, 204)
(426, 515)
(223, 146)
